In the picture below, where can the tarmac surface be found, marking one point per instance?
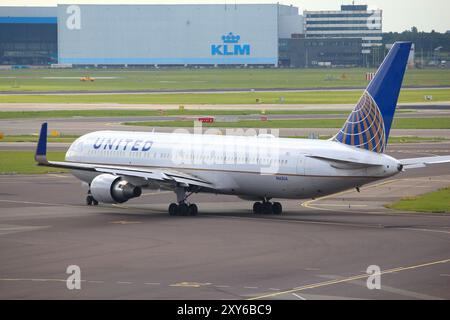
(316, 250)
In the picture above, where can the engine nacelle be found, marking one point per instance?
(108, 188)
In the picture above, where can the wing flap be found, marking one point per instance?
(148, 175)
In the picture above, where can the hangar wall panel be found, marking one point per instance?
(168, 34)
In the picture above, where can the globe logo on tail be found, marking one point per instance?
(364, 127)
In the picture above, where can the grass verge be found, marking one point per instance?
(308, 97)
(393, 139)
(22, 162)
(414, 139)
(405, 123)
(150, 113)
(434, 202)
(34, 138)
(187, 78)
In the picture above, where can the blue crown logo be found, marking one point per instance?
(231, 38)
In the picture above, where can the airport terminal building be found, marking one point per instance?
(128, 35)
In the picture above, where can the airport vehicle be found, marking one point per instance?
(118, 165)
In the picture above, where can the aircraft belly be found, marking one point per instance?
(282, 187)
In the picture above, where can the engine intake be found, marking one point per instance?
(108, 188)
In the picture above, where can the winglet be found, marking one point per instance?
(41, 149)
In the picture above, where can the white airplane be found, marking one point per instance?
(118, 165)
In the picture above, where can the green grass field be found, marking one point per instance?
(392, 139)
(144, 113)
(22, 162)
(34, 138)
(434, 202)
(322, 97)
(425, 123)
(414, 139)
(185, 79)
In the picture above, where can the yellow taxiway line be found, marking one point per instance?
(348, 279)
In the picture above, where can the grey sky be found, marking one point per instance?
(398, 15)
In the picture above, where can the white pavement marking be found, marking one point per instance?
(423, 230)
(402, 292)
(36, 280)
(298, 296)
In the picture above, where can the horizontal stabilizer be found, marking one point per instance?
(423, 162)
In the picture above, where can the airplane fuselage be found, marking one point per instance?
(254, 167)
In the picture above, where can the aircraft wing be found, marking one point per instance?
(346, 163)
(159, 175)
(414, 163)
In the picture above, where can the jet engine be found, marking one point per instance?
(108, 188)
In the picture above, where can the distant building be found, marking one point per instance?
(352, 21)
(326, 52)
(151, 35)
(28, 35)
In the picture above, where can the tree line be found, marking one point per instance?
(425, 42)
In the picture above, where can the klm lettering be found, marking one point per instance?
(230, 46)
(230, 50)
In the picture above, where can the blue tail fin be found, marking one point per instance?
(369, 124)
(41, 150)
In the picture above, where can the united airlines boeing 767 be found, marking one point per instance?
(118, 165)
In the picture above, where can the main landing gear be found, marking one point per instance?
(182, 208)
(90, 201)
(267, 207)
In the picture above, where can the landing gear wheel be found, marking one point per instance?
(89, 200)
(94, 202)
(193, 210)
(277, 208)
(257, 208)
(173, 209)
(183, 209)
(267, 208)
